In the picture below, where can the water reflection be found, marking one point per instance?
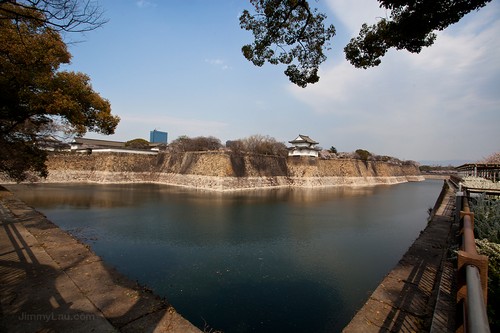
(298, 260)
(120, 195)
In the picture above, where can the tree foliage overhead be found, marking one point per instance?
(289, 32)
(36, 99)
(411, 26)
(60, 15)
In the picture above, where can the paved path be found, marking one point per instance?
(417, 295)
(50, 282)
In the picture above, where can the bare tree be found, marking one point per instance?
(493, 158)
(60, 15)
(199, 143)
(260, 144)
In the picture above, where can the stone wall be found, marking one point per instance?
(223, 171)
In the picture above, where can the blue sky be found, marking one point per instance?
(177, 66)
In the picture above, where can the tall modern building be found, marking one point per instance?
(158, 137)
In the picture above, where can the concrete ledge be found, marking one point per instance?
(406, 299)
(50, 282)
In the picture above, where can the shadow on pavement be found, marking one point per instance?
(50, 282)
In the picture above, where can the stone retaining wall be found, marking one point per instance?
(224, 171)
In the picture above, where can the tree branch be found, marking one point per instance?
(61, 15)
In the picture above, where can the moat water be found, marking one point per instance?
(288, 260)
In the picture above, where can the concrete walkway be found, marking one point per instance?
(418, 294)
(50, 282)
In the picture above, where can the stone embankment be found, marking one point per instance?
(223, 171)
(419, 293)
(51, 282)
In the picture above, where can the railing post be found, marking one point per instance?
(458, 203)
(472, 273)
(469, 256)
(479, 261)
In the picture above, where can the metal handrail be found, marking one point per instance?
(468, 240)
(455, 180)
(474, 270)
(477, 319)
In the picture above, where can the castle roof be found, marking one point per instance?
(303, 138)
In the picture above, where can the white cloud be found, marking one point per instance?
(145, 4)
(353, 14)
(418, 105)
(218, 63)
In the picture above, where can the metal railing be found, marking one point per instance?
(455, 180)
(472, 274)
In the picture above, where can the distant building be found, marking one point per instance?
(50, 143)
(303, 146)
(489, 171)
(158, 137)
(84, 145)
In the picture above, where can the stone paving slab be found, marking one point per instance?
(159, 322)
(405, 301)
(50, 282)
(35, 295)
(120, 302)
(442, 321)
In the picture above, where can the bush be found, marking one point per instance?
(487, 233)
(259, 144)
(200, 143)
(410, 162)
(486, 218)
(363, 154)
(137, 143)
(492, 250)
(236, 146)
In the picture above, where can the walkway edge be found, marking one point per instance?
(406, 298)
(49, 281)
